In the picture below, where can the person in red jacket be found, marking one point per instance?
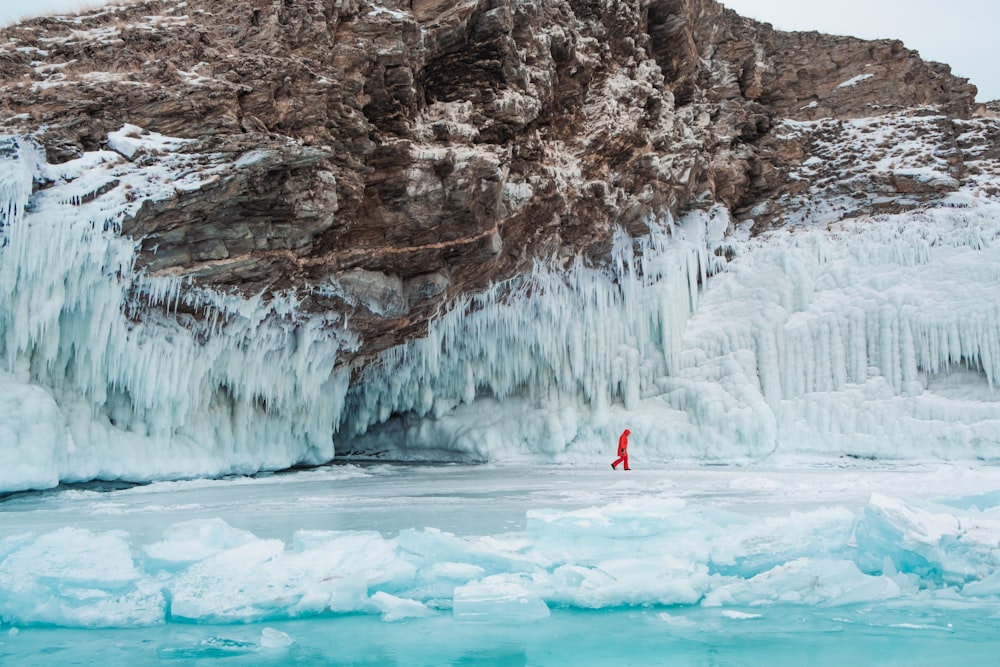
(622, 451)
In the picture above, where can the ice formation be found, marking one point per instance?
(90, 391)
(876, 337)
(657, 550)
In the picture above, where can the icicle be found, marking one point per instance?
(240, 390)
(603, 336)
(868, 310)
(18, 163)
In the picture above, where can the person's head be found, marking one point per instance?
(628, 432)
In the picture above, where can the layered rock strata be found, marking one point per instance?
(407, 151)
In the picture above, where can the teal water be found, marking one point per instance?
(780, 636)
(930, 599)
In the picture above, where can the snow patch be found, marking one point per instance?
(855, 80)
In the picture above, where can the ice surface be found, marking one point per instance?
(641, 544)
(72, 577)
(863, 563)
(274, 639)
(501, 598)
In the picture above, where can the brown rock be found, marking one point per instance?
(412, 150)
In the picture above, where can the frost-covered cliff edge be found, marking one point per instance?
(246, 237)
(413, 151)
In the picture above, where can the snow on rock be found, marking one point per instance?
(869, 165)
(853, 81)
(131, 139)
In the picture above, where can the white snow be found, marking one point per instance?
(378, 9)
(13, 13)
(131, 139)
(850, 83)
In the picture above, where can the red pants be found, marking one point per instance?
(621, 459)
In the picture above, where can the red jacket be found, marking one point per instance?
(623, 443)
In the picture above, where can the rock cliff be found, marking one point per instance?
(402, 152)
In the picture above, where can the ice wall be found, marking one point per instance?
(552, 342)
(94, 385)
(877, 337)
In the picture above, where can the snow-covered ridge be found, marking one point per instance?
(888, 163)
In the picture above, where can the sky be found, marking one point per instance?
(13, 10)
(961, 33)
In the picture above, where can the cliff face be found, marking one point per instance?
(406, 151)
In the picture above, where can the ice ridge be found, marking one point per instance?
(654, 551)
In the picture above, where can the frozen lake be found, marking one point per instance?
(510, 565)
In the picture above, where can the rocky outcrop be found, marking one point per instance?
(407, 151)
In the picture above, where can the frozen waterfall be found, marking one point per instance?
(88, 389)
(875, 337)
